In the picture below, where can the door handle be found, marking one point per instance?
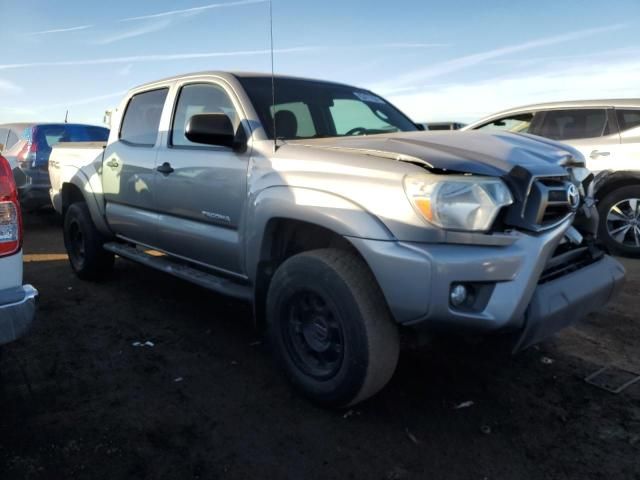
(596, 153)
(113, 164)
(165, 168)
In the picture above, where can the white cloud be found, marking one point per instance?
(193, 10)
(9, 87)
(125, 71)
(135, 32)
(472, 100)
(62, 30)
(83, 101)
(467, 61)
(154, 58)
(408, 45)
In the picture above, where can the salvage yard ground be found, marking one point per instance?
(146, 376)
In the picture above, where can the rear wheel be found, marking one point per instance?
(88, 259)
(620, 221)
(330, 328)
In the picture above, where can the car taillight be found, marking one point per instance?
(10, 217)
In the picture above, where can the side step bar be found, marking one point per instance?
(165, 264)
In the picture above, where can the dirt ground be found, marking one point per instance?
(77, 400)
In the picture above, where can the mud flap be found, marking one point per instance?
(568, 299)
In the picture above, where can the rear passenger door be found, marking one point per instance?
(128, 170)
(628, 157)
(203, 188)
(590, 130)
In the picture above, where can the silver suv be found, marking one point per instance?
(607, 133)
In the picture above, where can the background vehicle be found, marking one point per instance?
(443, 125)
(10, 135)
(337, 218)
(607, 132)
(17, 301)
(30, 157)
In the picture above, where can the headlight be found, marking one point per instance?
(457, 202)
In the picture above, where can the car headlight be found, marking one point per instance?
(458, 202)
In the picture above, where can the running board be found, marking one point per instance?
(165, 264)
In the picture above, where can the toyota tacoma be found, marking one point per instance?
(338, 218)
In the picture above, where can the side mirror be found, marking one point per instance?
(420, 127)
(211, 129)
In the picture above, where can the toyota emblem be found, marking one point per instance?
(573, 196)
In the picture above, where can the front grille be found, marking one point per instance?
(566, 261)
(545, 204)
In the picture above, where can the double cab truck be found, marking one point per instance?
(338, 218)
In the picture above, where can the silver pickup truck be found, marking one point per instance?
(338, 218)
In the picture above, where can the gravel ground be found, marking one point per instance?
(78, 400)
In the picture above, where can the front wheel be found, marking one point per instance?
(620, 221)
(330, 327)
(84, 244)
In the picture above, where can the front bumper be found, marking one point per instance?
(17, 310)
(416, 280)
(565, 300)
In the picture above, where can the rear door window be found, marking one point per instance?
(574, 124)
(142, 118)
(519, 123)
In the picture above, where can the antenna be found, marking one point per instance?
(66, 117)
(273, 78)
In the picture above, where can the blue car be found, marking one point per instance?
(29, 157)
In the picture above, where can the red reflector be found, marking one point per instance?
(10, 217)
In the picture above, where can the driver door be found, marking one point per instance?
(201, 188)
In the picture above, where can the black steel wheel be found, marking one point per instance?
(84, 244)
(330, 328)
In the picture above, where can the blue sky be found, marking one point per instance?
(436, 60)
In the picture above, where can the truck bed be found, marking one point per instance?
(65, 160)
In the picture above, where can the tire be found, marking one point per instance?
(84, 244)
(619, 227)
(330, 329)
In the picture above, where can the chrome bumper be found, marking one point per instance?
(17, 309)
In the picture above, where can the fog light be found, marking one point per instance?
(459, 295)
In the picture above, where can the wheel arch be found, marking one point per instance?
(287, 221)
(81, 189)
(608, 181)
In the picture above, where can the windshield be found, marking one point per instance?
(310, 109)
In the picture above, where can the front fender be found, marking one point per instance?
(317, 207)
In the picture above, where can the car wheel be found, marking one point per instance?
(330, 328)
(620, 221)
(84, 244)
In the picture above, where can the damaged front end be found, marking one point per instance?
(579, 277)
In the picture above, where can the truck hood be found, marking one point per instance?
(479, 153)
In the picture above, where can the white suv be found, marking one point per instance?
(17, 301)
(607, 133)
